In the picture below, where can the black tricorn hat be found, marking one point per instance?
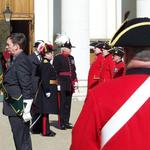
(133, 33)
(100, 44)
(106, 46)
(117, 51)
(68, 44)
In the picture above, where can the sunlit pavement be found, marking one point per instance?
(61, 141)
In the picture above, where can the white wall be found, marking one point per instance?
(143, 8)
(129, 5)
(75, 24)
(43, 20)
(111, 23)
(103, 20)
(97, 20)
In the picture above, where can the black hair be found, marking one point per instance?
(18, 38)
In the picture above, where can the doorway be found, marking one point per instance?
(23, 26)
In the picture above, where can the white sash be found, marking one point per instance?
(127, 110)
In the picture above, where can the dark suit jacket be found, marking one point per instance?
(17, 81)
(35, 77)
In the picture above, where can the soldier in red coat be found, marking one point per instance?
(118, 54)
(108, 67)
(120, 120)
(96, 66)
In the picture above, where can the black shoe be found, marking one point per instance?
(63, 127)
(35, 132)
(50, 134)
(68, 125)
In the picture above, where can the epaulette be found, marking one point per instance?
(45, 61)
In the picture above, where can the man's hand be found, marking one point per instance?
(75, 85)
(26, 117)
(58, 88)
(48, 94)
(27, 107)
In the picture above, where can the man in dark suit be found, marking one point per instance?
(35, 59)
(17, 82)
(46, 100)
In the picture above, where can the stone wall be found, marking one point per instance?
(4, 32)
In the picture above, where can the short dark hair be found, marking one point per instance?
(18, 38)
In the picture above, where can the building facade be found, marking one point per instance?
(82, 20)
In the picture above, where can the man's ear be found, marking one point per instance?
(16, 46)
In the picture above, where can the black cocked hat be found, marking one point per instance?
(133, 33)
(100, 44)
(67, 44)
(117, 51)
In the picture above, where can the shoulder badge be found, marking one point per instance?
(115, 70)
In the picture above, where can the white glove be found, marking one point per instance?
(58, 88)
(76, 85)
(27, 106)
(26, 117)
(48, 94)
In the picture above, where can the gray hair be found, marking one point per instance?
(63, 49)
(142, 54)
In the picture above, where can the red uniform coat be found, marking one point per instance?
(100, 107)
(119, 69)
(107, 72)
(94, 72)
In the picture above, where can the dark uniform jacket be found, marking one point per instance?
(48, 84)
(66, 71)
(17, 81)
(35, 78)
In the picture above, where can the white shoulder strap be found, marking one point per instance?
(127, 110)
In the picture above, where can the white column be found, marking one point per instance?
(143, 8)
(98, 17)
(43, 20)
(75, 24)
(111, 18)
(105, 16)
(50, 20)
(118, 13)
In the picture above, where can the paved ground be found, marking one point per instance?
(61, 141)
